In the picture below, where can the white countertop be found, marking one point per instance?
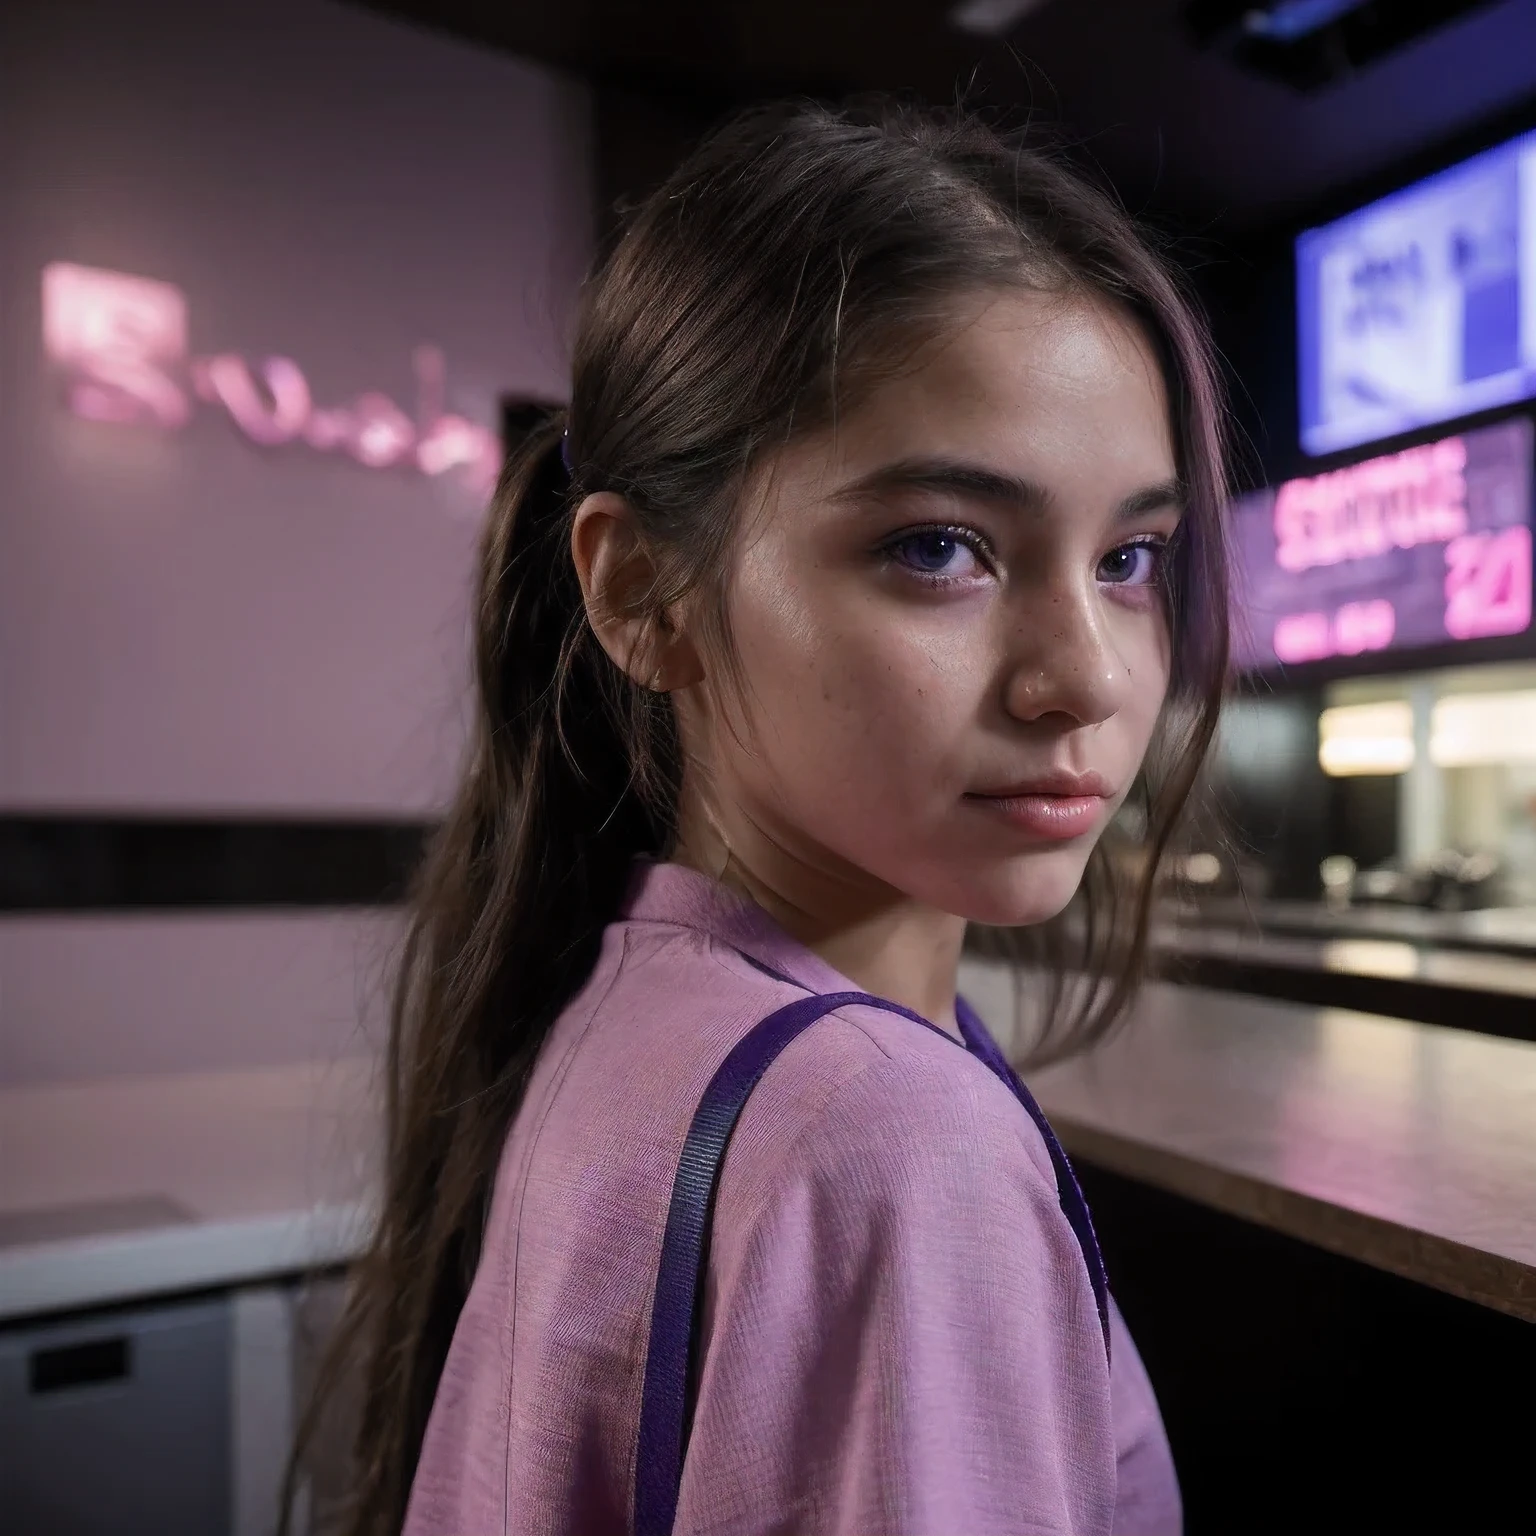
(133, 1187)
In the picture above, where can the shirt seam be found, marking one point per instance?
(867, 1031)
(715, 945)
(886, 1061)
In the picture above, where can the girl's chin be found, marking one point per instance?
(1020, 892)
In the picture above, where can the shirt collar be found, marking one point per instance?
(673, 893)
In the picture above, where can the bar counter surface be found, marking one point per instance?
(1495, 930)
(1490, 991)
(1403, 1145)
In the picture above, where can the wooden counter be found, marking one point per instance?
(1403, 1145)
(1491, 930)
(1485, 990)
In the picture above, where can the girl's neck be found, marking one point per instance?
(881, 940)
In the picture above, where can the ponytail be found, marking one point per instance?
(528, 867)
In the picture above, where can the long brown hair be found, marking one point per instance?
(782, 264)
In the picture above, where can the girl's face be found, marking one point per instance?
(947, 613)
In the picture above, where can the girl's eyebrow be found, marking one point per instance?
(976, 482)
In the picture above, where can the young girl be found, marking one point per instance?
(873, 568)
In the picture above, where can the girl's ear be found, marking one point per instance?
(617, 577)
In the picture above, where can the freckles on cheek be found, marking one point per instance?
(803, 691)
(903, 692)
(843, 687)
(824, 657)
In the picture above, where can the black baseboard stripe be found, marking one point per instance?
(109, 864)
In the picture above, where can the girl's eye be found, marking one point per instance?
(1133, 565)
(938, 552)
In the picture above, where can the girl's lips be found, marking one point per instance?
(1053, 781)
(1056, 817)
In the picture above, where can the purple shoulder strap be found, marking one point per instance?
(666, 1404)
(1069, 1192)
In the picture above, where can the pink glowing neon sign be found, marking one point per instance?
(123, 341)
(1488, 584)
(1410, 549)
(1392, 502)
(1354, 629)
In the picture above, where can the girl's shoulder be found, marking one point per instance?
(861, 1084)
(903, 1115)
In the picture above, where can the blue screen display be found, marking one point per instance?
(1421, 307)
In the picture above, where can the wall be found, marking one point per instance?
(194, 621)
(190, 619)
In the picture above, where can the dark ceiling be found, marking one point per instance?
(1179, 130)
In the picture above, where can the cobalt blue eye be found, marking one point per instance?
(930, 551)
(936, 551)
(1131, 565)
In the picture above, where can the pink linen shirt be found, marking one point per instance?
(899, 1328)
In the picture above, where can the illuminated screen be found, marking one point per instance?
(1410, 549)
(1420, 308)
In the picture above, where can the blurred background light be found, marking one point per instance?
(1366, 738)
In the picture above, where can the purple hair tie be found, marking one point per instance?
(565, 451)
